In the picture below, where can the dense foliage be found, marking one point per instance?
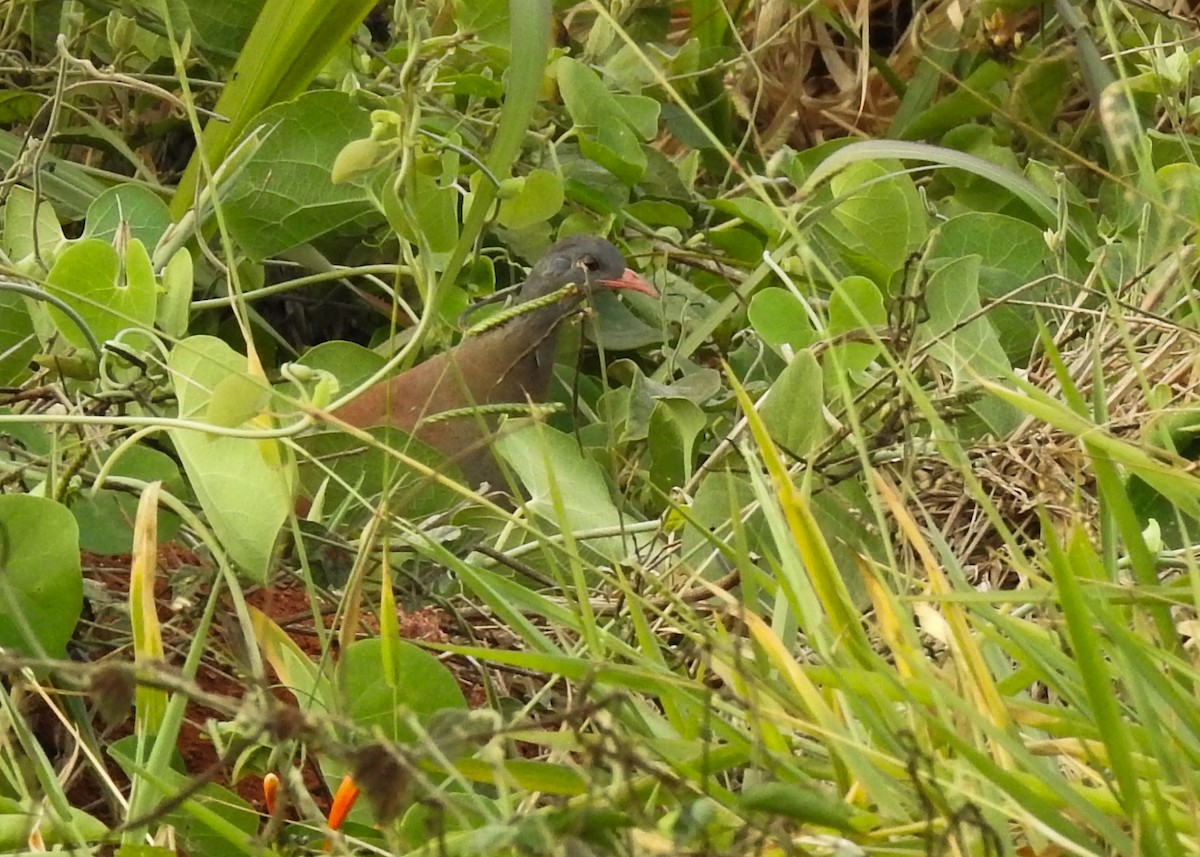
(870, 535)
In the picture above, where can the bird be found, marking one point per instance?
(507, 364)
(445, 402)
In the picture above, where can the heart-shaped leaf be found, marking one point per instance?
(423, 686)
(878, 218)
(41, 584)
(557, 476)
(856, 304)
(88, 277)
(780, 319)
(540, 198)
(137, 208)
(241, 483)
(792, 411)
(285, 194)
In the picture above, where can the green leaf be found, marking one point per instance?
(18, 340)
(21, 229)
(654, 212)
(140, 283)
(1040, 203)
(742, 245)
(486, 19)
(87, 277)
(175, 305)
(878, 217)
(137, 207)
(288, 45)
(1180, 184)
(242, 484)
(971, 350)
(284, 195)
(1039, 88)
(674, 426)
(856, 304)
(780, 319)
(640, 112)
(41, 583)
(349, 362)
(540, 198)
(615, 326)
(792, 411)
(590, 103)
(106, 518)
(553, 471)
(236, 399)
(474, 85)
(630, 410)
(614, 147)
(751, 211)
(222, 26)
(952, 296)
(424, 687)
(431, 215)
(1013, 253)
(17, 106)
(979, 95)
(606, 131)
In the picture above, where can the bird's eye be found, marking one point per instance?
(590, 264)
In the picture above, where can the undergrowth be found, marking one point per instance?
(871, 535)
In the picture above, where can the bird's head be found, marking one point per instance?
(585, 261)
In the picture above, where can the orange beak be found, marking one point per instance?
(633, 282)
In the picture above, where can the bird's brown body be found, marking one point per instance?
(509, 364)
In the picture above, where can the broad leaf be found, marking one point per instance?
(792, 411)
(553, 471)
(285, 195)
(1013, 255)
(241, 483)
(878, 217)
(540, 197)
(18, 341)
(106, 518)
(424, 686)
(781, 320)
(27, 223)
(138, 208)
(856, 304)
(41, 584)
(88, 276)
(674, 426)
